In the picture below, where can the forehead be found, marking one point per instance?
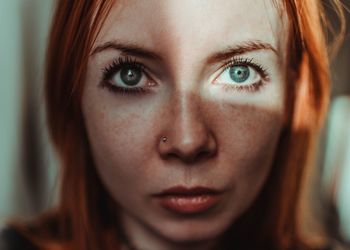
(189, 26)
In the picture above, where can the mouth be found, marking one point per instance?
(188, 201)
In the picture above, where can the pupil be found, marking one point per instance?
(239, 73)
(130, 76)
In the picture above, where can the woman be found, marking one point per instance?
(182, 124)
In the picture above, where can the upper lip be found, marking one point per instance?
(188, 191)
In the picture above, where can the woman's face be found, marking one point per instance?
(206, 74)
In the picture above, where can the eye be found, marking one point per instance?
(242, 74)
(126, 76)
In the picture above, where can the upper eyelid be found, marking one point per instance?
(109, 70)
(239, 61)
(249, 61)
(140, 52)
(261, 70)
(121, 61)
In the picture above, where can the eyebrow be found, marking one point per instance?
(127, 48)
(232, 51)
(240, 49)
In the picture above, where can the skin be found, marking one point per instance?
(217, 137)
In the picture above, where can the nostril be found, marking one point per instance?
(190, 158)
(203, 155)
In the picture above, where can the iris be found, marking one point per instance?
(130, 75)
(239, 74)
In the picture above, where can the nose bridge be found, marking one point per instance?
(188, 120)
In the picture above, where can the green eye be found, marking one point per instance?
(130, 75)
(239, 73)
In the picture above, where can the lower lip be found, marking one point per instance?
(188, 205)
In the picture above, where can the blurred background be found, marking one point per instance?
(28, 164)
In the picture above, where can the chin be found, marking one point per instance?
(192, 230)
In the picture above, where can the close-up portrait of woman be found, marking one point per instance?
(182, 124)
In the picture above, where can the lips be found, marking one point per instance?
(188, 201)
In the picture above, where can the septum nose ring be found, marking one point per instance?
(164, 139)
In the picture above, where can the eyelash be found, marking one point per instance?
(121, 62)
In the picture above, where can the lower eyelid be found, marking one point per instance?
(245, 88)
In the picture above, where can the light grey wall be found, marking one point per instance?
(23, 29)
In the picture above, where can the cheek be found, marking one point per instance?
(250, 132)
(249, 136)
(121, 142)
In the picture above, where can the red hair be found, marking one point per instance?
(272, 222)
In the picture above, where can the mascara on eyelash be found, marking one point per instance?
(117, 64)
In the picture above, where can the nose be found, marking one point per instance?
(188, 137)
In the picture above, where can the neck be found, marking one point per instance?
(204, 246)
